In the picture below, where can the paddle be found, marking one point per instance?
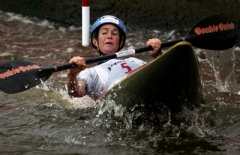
(215, 32)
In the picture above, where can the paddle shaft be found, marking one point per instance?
(111, 56)
(215, 33)
(99, 59)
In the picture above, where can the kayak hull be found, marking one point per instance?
(171, 81)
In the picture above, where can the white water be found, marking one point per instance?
(45, 120)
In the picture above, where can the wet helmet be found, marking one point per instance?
(109, 19)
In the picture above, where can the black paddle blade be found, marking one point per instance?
(17, 76)
(215, 32)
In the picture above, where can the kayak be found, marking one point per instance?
(169, 83)
(172, 81)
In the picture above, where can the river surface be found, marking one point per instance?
(45, 120)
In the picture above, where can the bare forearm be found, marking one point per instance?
(76, 88)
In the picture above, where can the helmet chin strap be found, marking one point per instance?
(98, 49)
(100, 52)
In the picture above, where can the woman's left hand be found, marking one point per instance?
(156, 45)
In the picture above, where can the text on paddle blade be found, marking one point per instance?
(214, 28)
(17, 70)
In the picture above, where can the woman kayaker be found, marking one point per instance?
(108, 36)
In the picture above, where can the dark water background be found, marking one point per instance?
(44, 120)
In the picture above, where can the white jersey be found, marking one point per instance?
(101, 77)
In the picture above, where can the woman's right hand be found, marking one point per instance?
(80, 61)
(76, 88)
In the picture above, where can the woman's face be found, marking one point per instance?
(108, 39)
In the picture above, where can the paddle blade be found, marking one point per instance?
(17, 76)
(215, 33)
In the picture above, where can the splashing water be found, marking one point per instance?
(45, 120)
